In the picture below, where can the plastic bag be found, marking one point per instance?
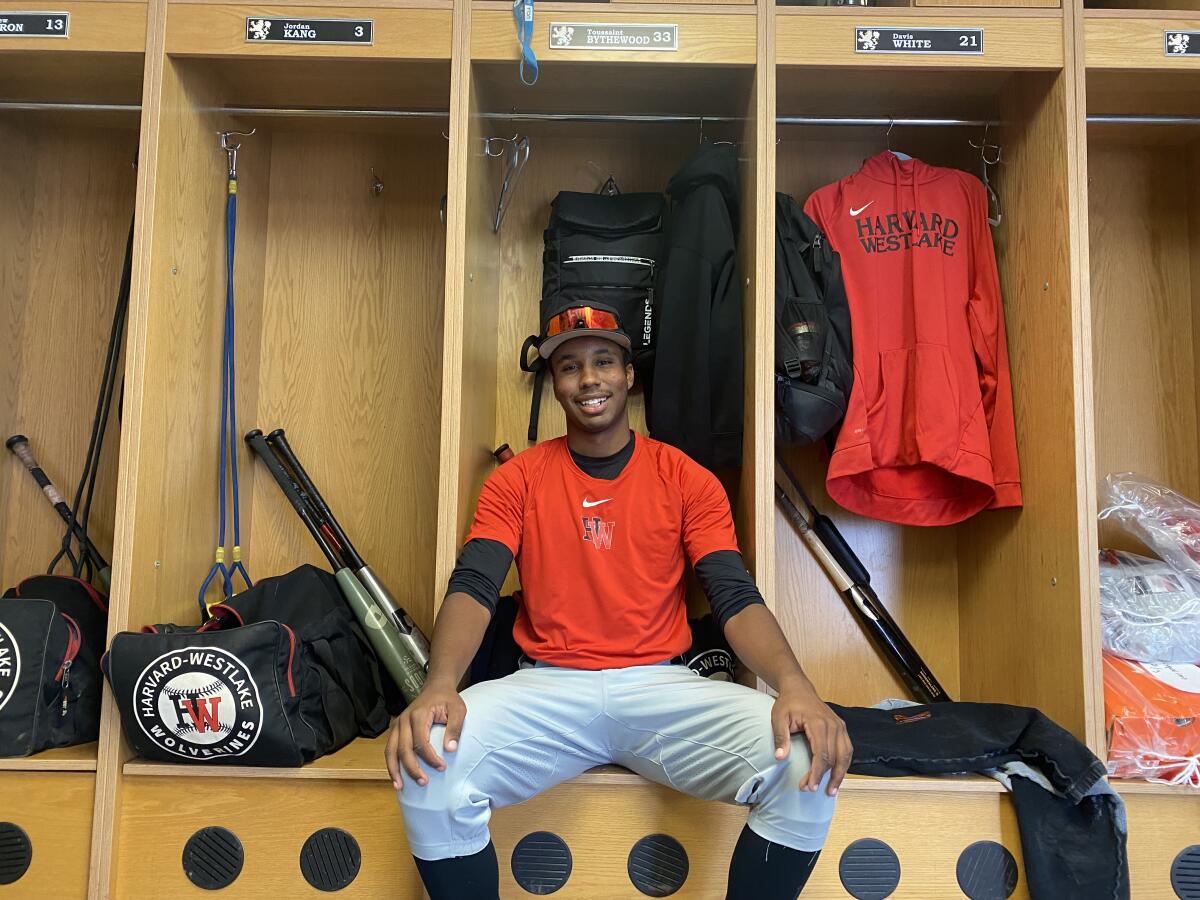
(1153, 717)
(1148, 610)
(1164, 520)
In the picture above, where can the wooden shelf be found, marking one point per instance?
(80, 758)
(1128, 39)
(1013, 39)
(220, 30)
(728, 37)
(362, 760)
(1125, 786)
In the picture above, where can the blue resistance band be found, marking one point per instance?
(228, 451)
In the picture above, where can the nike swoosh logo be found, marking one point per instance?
(589, 505)
(855, 212)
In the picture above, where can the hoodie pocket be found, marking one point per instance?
(915, 417)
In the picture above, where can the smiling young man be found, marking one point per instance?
(600, 523)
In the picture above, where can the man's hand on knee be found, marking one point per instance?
(798, 708)
(409, 738)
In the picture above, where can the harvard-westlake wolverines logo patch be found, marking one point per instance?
(199, 703)
(10, 665)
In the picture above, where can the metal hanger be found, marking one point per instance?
(515, 151)
(986, 163)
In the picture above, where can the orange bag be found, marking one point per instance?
(1153, 716)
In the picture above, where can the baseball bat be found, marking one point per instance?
(851, 578)
(19, 445)
(382, 634)
(418, 646)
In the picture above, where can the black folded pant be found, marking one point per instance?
(1073, 844)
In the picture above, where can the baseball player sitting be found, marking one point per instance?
(599, 523)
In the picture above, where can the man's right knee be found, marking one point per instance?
(444, 818)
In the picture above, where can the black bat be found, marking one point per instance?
(386, 639)
(851, 578)
(19, 445)
(418, 645)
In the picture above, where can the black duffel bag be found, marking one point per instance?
(52, 631)
(281, 675)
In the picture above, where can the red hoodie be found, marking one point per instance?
(928, 437)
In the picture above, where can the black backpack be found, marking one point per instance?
(52, 632)
(814, 370)
(601, 250)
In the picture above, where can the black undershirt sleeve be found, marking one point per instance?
(480, 571)
(727, 584)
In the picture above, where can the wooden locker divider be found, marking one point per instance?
(1143, 219)
(339, 291)
(68, 182)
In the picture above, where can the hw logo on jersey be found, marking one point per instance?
(597, 532)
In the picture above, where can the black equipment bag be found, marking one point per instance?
(281, 675)
(52, 632)
(814, 369)
(603, 251)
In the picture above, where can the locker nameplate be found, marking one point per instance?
(919, 41)
(295, 30)
(610, 36)
(1181, 43)
(35, 24)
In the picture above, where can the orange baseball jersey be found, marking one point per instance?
(602, 562)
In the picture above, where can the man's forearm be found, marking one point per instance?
(756, 638)
(457, 634)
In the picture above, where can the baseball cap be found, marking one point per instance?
(582, 321)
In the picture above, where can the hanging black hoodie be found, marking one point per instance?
(696, 404)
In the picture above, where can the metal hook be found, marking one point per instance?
(376, 183)
(888, 137)
(487, 144)
(231, 150)
(702, 130)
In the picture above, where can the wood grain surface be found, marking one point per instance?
(1144, 294)
(710, 38)
(1027, 563)
(1160, 828)
(70, 194)
(55, 812)
(80, 758)
(1137, 42)
(96, 26)
(220, 30)
(1010, 41)
(599, 823)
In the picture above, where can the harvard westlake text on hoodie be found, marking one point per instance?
(928, 437)
(696, 402)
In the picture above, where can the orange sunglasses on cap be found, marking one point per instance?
(580, 321)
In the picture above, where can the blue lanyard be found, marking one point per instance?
(523, 17)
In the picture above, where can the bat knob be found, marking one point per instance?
(16, 439)
(275, 435)
(252, 434)
(503, 453)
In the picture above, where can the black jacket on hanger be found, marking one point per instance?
(696, 402)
